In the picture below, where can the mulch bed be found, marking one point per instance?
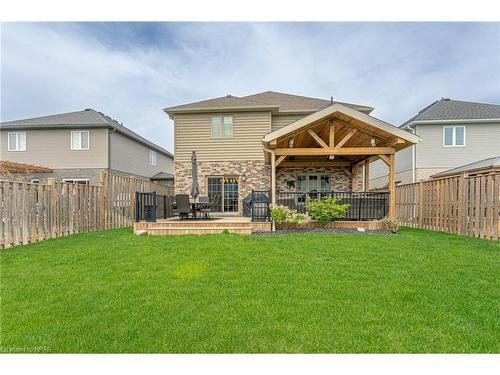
(321, 230)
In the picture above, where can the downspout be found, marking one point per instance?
(413, 157)
(109, 148)
(273, 181)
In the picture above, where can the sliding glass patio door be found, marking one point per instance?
(227, 189)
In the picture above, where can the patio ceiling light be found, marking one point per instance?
(373, 141)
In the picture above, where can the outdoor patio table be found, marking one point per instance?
(196, 206)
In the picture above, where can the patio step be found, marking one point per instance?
(177, 229)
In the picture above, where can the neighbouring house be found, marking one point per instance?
(293, 147)
(478, 168)
(452, 133)
(76, 146)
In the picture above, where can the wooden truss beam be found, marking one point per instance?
(314, 164)
(346, 138)
(317, 138)
(335, 151)
(385, 159)
(331, 138)
(280, 159)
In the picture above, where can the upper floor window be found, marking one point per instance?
(81, 181)
(16, 141)
(454, 136)
(80, 140)
(222, 126)
(152, 157)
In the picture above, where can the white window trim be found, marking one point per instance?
(222, 136)
(152, 161)
(75, 180)
(9, 146)
(35, 181)
(71, 140)
(453, 135)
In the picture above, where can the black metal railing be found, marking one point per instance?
(151, 206)
(362, 205)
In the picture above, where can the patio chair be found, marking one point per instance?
(215, 203)
(205, 207)
(183, 206)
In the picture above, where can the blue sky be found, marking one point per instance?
(131, 71)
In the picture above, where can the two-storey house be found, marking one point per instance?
(452, 133)
(76, 146)
(287, 144)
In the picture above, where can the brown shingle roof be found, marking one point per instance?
(289, 102)
(268, 99)
(228, 101)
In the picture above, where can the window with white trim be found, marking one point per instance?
(222, 127)
(454, 136)
(152, 157)
(82, 181)
(16, 141)
(35, 180)
(80, 140)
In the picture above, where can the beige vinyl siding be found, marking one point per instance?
(482, 141)
(193, 133)
(278, 122)
(403, 163)
(129, 156)
(52, 148)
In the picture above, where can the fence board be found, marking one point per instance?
(35, 212)
(459, 205)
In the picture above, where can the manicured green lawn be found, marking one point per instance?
(114, 292)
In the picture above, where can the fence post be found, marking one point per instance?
(50, 210)
(136, 206)
(420, 203)
(154, 205)
(102, 208)
(132, 196)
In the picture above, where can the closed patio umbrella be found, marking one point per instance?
(195, 187)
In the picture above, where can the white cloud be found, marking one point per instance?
(398, 68)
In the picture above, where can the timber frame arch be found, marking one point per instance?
(337, 137)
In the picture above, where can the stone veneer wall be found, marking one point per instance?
(357, 179)
(252, 174)
(339, 181)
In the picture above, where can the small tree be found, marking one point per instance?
(326, 210)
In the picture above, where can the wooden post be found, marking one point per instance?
(331, 138)
(273, 184)
(392, 187)
(132, 199)
(50, 209)
(102, 208)
(367, 175)
(420, 204)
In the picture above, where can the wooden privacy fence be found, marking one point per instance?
(36, 212)
(459, 205)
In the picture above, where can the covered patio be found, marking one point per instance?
(329, 153)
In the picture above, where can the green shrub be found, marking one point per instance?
(390, 224)
(326, 209)
(284, 215)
